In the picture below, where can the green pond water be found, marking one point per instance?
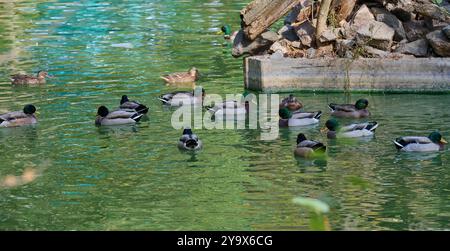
(134, 178)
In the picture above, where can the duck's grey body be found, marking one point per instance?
(354, 131)
(17, 118)
(129, 105)
(417, 144)
(308, 148)
(301, 119)
(118, 117)
(229, 109)
(189, 141)
(180, 98)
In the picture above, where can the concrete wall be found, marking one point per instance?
(263, 73)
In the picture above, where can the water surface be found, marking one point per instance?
(134, 178)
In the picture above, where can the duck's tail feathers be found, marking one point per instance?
(191, 143)
(332, 106)
(397, 144)
(164, 101)
(318, 115)
(165, 78)
(142, 109)
(321, 148)
(136, 117)
(372, 126)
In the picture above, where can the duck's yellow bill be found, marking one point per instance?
(443, 141)
(219, 33)
(324, 130)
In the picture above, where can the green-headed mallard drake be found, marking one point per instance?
(349, 131)
(228, 34)
(189, 141)
(434, 142)
(292, 103)
(118, 117)
(182, 77)
(308, 148)
(127, 104)
(20, 79)
(19, 118)
(358, 110)
(229, 109)
(288, 118)
(179, 98)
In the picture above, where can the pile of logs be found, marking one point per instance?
(345, 28)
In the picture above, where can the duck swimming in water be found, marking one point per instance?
(229, 109)
(434, 142)
(358, 110)
(118, 117)
(228, 34)
(288, 118)
(308, 148)
(126, 104)
(20, 79)
(189, 141)
(291, 103)
(349, 131)
(180, 98)
(19, 118)
(182, 77)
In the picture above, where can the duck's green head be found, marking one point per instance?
(226, 29)
(300, 138)
(29, 109)
(332, 124)
(361, 104)
(187, 131)
(284, 113)
(102, 111)
(124, 99)
(436, 138)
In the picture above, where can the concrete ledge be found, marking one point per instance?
(263, 73)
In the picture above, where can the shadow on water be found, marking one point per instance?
(418, 159)
(312, 165)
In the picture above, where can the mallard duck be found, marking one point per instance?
(189, 141)
(228, 35)
(126, 104)
(434, 142)
(118, 117)
(349, 131)
(182, 77)
(229, 109)
(358, 110)
(179, 98)
(20, 79)
(291, 103)
(308, 148)
(288, 118)
(19, 118)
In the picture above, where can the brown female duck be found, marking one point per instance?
(292, 103)
(21, 79)
(182, 77)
